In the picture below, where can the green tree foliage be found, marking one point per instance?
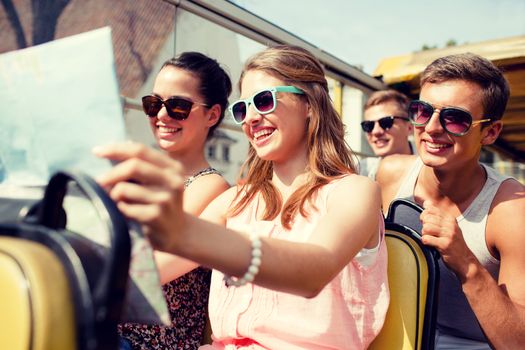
(449, 43)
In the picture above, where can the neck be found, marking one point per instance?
(455, 188)
(407, 149)
(288, 176)
(191, 160)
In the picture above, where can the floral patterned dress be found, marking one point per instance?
(187, 299)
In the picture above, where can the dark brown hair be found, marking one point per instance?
(475, 69)
(385, 96)
(214, 83)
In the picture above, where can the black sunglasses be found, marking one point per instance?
(455, 121)
(178, 108)
(385, 123)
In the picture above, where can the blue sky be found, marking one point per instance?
(361, 32)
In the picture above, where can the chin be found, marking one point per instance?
(167, 146)
(383, 152)
(434, 161)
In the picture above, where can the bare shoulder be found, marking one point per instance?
(217, 210)
(391, 173)
(506, 216)
(202, 191)
(223, 201)
(392, 166)
(228, 196)
(509, 199)
(355, 189)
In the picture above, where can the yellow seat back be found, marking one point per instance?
(33, 288)
(412, 277)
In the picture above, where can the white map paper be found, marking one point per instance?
(57, 101)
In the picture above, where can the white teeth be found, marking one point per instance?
(436, 145)
(262, 133)
(166, 129)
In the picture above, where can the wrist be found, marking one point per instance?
(178, 238)
(253, 267)
(471, 271)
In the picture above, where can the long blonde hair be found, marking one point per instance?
(329, 156)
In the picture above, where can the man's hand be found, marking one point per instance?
(441, 230)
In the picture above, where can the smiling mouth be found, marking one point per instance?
(166, 130)
(381, 142)
(260, 135)
(432, 145)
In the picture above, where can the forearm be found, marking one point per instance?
(171, 267)
(302, 269)
(502, 320)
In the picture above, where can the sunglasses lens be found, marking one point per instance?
(420, 112)
(151, 105)
(386, 122)
(239, 111)
(455, 121)
(367, 126)
(178, 108)
(264, 101)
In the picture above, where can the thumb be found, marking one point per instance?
(428, 204)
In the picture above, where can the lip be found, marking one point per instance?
(166, 131)
(380, 143)
(264, 134)
(436, 146)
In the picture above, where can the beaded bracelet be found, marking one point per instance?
(253, 269)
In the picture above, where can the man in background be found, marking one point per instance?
(387, 128)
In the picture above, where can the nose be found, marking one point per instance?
(377, 129)
(163, 114)
(252, 116)
(434, 125)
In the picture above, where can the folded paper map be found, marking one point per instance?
(59, 100)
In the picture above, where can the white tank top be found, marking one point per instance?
(455, 316)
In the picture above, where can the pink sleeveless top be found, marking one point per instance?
(347, 314)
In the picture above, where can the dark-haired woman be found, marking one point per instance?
(188, 101)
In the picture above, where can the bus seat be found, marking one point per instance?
(34, 286)
(59, 288)
(413, 276)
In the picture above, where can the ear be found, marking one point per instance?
(214, 114)
(491, 132)
(308, 111)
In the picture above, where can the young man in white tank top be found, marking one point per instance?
(473, 216)
(387, 128)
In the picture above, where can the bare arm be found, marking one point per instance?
(498, 305)
(196, 197)
(132, 157)
(390, 174)
(300, 268)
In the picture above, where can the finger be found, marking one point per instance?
(433, 229)
(430, 216)
(143, 172)
(128, 150)
(148, 215)
(427, 217)
(431, 240)
(143, 213)
(134, 193)
(427, 203)
(432, 209)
